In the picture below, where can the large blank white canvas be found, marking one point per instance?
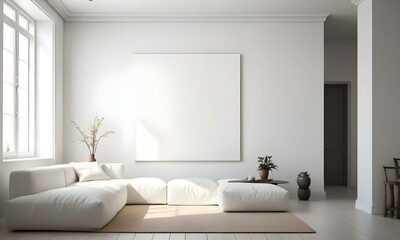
(188, 107)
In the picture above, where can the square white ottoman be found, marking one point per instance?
(145, 190)
(252, 197)
(192, 191)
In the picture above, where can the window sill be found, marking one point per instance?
(28, 159)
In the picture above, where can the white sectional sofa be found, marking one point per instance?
(54, 198)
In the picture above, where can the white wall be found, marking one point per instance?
(378, 102)
(2, 186)
(341, 68)
(281, 92)
(385, 91)
(6, 167)
(276, 117)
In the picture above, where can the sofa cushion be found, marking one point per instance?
(89, 171)
(145, 190)
(82, 206)
(192, 191)
(36, 180)
(69, 173)
(252, 197)
(117, 189)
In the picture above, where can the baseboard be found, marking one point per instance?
(377, 210)
(369, 208)
(364, 206)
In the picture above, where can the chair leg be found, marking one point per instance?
(391, 205)
(398, 202)
(385, 214)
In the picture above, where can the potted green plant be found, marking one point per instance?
(266, 165)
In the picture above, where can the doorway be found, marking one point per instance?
(335, 134)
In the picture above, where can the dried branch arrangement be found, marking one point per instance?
(92, 138)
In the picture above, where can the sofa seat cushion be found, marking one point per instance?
(80, 206)
(145, 190)
(192, 191)
(252, 197)
(117, 189)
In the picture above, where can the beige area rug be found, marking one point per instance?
(202, 219)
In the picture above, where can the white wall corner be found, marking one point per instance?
(59, 7)
(356, 2)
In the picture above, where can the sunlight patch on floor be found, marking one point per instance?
(162, 211)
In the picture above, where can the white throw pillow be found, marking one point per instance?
(89, 171)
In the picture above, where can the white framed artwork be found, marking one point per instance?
(188, 107)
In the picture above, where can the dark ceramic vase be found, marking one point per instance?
(304, 182)
(304, 194)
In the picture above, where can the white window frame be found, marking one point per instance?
(32, 106)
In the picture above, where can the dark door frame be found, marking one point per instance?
(345, 87)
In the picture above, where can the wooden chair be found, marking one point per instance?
(390, 207)
(397, 168)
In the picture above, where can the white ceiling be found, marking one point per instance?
(340, 26)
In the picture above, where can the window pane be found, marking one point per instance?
(23, 22)
(23, 74)
(23, 47)
(9, 12)
(8, 98)
(31, 28)
(9, 37)
(23, 103)
(8, 133)
(8, 67)
(23, 137)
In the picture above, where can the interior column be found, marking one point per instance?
(378, 97)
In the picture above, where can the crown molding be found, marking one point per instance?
(198, 17)
(69, 16)
(356, 2)
(60, 8)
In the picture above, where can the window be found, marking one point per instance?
(18, 83)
